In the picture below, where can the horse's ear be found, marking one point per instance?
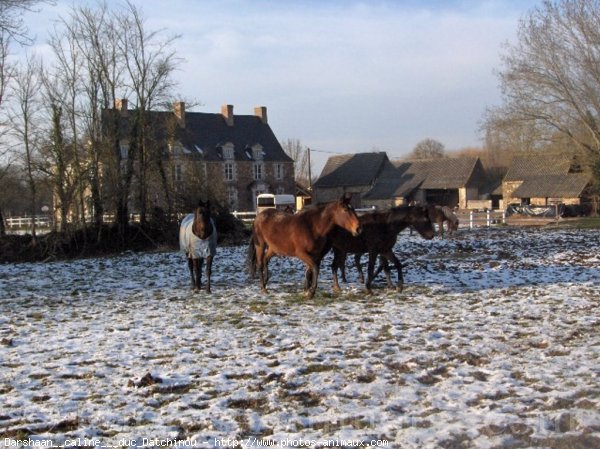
(346, 198)
(201, 203)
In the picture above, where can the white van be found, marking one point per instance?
(271, 201)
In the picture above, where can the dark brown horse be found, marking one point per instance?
(303, 235)
(198, 240)
(441, 214)
(379, 233)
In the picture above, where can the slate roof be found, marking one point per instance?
(352, 170)
(552, 186)
(441, 173)
(446, 173)
(205, 133)
(523, 167)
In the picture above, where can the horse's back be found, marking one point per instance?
(284, 233)
(193, 246)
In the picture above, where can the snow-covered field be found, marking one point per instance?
(495, 343)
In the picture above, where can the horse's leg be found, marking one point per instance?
(337, 255)
(392, 257)
(191, 268)
(361, 277)
(315, 276)
(260, 258)
(441, 226)
(370, 269)
(209, 261)
(385, 266)
(199, 273)
(307, 279)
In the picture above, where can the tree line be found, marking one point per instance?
(54, 131)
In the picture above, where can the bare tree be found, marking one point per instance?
(23, 117)
(299, 153)
(94, 30)
(11, 18)
(6, 71)
(551, 76)
(12, 29)
(428, 149)
(150, 62)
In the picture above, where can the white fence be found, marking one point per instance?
(43, 221)
(475, 219)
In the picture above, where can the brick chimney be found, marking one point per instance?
(227, 113)
(261, 113)
(179, 110)
(121, 105)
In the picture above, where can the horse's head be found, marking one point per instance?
(418, 217)
(345, 216)
(202, 227)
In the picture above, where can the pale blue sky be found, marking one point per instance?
(341, 76)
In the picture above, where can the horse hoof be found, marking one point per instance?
(399, 288)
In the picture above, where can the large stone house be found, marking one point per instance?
(236, 156)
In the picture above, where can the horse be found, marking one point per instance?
(304, 235)
(439, 214)
(379, 233)
(198, 240)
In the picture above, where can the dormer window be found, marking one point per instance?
(228, 151)
(257, 152)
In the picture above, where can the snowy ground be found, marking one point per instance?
(495, 343)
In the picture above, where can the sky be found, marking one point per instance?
(341, 76)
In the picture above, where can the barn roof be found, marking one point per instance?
(552, 186)
(407, 176)
(523, 167)
(441, 173)
(352, 170)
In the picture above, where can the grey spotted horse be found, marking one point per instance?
(198, 240)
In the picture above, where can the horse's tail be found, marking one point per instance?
(251, 257)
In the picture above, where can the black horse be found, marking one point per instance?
(198, 240)
(379, 233)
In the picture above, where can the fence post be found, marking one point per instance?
(504, 216)
(470, 219)
(487, 218)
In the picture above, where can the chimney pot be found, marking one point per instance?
(121, 106)
(179, 110)
(261, 112)
(227, 113)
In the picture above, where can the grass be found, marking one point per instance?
(581, 223)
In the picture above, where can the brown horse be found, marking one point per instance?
(198, 240)
(380, 231)
(303, 235)
(441, 214)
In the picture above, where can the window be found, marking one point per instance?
(124, 148)
(228, 151)
(278, 171)
(232, 197)
(177, 173)
(258, 171)
(229, 171)
(257, 152)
